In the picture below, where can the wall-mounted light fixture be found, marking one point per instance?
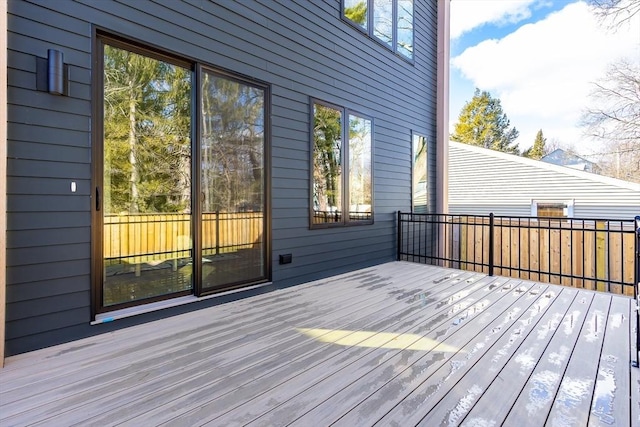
(52, 74)
(55, 72)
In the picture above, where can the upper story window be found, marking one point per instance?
(342, 181)
(388, 21)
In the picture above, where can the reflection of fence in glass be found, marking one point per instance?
(595, 254)
(328, 217)
(230, 232)
(137, 239)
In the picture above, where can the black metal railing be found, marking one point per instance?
(597, 254)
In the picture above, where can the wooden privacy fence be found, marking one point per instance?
(595, 254)
(142, 238)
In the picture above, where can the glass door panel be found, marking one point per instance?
(147, 237)
(232, 182)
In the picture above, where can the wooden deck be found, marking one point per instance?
(399, 344)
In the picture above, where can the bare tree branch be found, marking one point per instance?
(613, 13)
(614, 119)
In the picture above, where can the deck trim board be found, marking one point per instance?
(253, 359)
(144, 369)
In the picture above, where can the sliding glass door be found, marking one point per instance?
(180, 179)
(146, 200)
(232, 169)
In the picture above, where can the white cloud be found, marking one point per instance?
(543, 72)
(470, 14)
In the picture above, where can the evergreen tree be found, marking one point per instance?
(538, 150)
(483, 123)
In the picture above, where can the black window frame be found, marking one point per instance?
(369, 30)
(345, 217)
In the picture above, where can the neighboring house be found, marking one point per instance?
(483, 181)
(561, 157)
(159, 153)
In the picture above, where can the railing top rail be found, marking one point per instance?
(507, 217)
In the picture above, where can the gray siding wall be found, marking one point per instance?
(482, 181)
(302, 48)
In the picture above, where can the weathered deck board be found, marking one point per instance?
(417, 387)
(534, 402)
(396, 344)
(311, 390)
(458, 400)
(195, 356)
(491, 386)
(572, 403)
(608, 407)
(263, 305)
(245, 384)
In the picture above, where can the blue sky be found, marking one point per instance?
(540, 58)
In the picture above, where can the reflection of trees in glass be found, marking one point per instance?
(404, 42)
(359, 164)
(356, 10)
(383, 20)
(147, 122)
(384, 28)
(327, 136)
(231, 145)
(419, 173)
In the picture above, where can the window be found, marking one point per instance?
(341, 172)
(388, 21)
(383, 21)
(552, 209)
(419, 174)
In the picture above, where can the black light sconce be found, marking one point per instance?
(52, 73)
(55, 72)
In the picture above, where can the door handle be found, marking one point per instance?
(97, 198)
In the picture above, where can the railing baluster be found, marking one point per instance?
(491, 243)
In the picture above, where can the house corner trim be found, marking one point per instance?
(442, 107)
(3, 175)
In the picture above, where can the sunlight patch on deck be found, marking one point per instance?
(376, 339)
